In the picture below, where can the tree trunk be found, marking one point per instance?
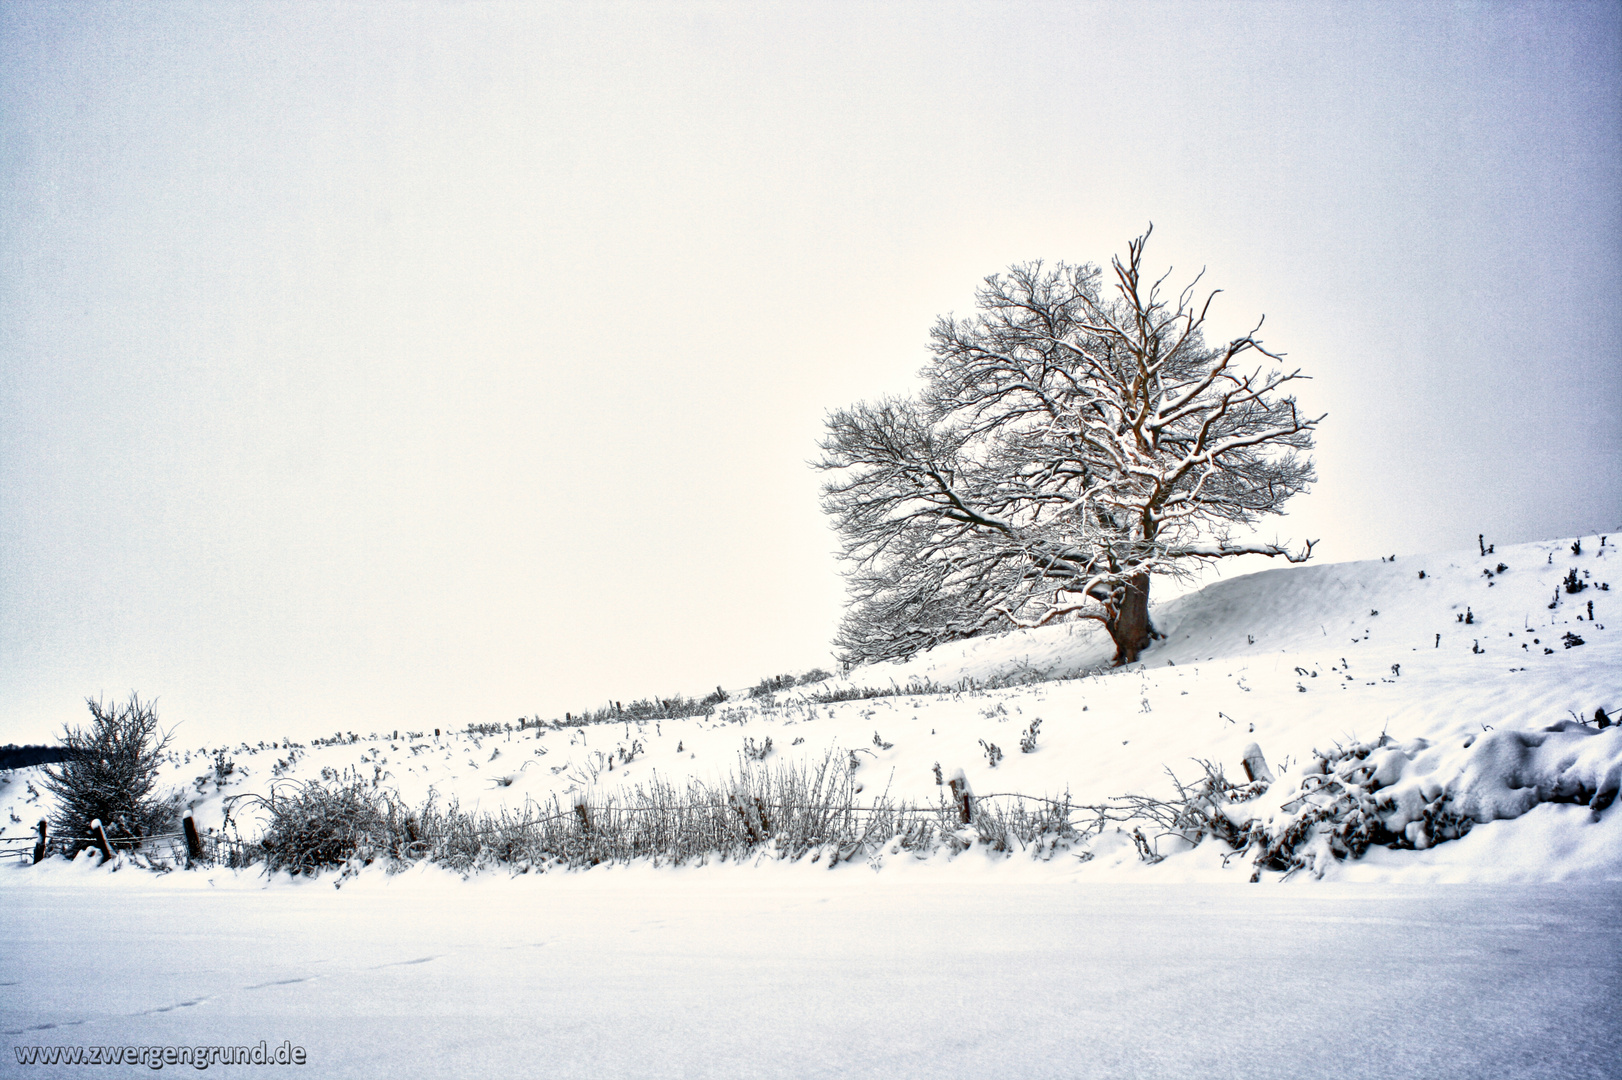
(1130, 626)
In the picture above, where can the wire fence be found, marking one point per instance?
(159, 850)
(672, 829)
(792, 811)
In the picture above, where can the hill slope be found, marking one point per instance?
(1444, 655)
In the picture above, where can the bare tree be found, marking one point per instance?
(1070, 442)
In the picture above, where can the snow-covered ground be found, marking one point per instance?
(977, 969)
(1490, 955)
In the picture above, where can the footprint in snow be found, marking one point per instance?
(172, 1008)
(48, 1027)
(281, 982)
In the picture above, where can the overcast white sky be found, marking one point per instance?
(386, 365)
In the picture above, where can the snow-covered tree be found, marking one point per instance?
(111, 774)
(1070, 441)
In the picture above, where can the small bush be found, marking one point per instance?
(771, 685)
(110, 775)
(333, 823)
(914, 688)
(1041, 826)
(674, 707)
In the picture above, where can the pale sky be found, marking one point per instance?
(411, 365)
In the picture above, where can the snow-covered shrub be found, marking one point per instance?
(1509, 772)
(615, 712)
(111, 775)
(1391, 794)
(1041, 826)
(313, 825)
(1201, 809)
(917, 686)
(769, 686)
(1350, 799)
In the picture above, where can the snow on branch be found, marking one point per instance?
(1069, 442)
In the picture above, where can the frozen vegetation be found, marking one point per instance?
(1411, 758)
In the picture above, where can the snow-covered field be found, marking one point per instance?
(1496, 954)
(970, 970)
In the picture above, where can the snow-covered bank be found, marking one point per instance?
(974, 969)
(1445, 671)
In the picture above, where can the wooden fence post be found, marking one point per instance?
(39, 848)
(1256, 765)
(752, 818)
(101, 839)
(962, 796)
(194, 843)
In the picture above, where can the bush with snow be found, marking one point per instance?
(1393, 794)
(111, 776)
(313, 825)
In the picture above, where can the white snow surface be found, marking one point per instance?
(1497, 954)
(977, 968)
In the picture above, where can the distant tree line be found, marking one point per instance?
(13, 756)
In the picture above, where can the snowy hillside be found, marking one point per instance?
(1444, 655)
(1061, 956)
